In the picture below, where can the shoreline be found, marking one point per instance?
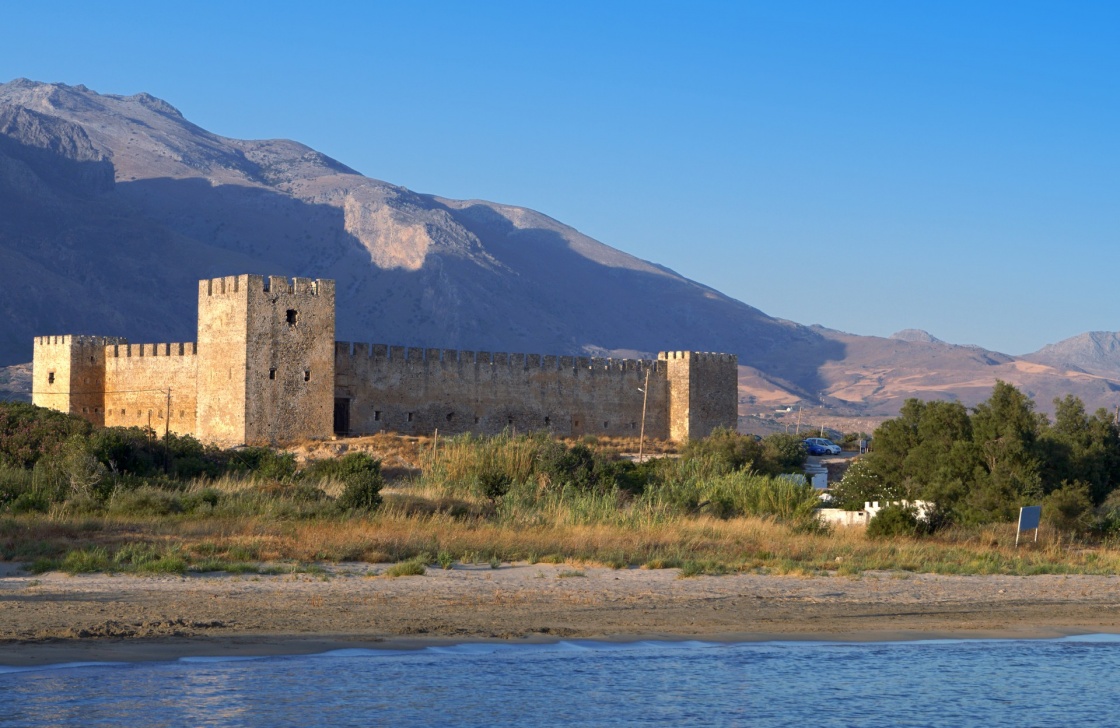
(60, 653)
(55, 619)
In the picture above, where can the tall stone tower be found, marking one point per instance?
(703, 392)
(68, 374)
(265, 359)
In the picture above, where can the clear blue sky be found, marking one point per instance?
(868, 166)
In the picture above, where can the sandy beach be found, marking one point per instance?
(53, 618)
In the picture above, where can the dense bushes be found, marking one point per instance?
(28, 433)
(981, 466)
(530, 475)
(48, 458)
(777, 453)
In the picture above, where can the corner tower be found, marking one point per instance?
(68, 374)
(703, 393)
(265, 359)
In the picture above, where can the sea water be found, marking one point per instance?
(1069, 681)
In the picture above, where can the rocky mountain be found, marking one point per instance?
(119, 204)
(112, 207)
(916, 335)
(1095, 352)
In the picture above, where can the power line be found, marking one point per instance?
(118, 391)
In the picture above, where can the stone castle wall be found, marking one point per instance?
(422, 390)
(69, 374)
(137, 379)
(266, 369)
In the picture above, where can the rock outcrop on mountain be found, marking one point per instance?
(114, 206)
(916, 335)
(1094, 352)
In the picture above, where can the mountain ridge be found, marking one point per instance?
(121, 204)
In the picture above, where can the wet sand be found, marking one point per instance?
(56, 618)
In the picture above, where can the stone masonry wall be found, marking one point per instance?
(137, 378)
(422, 390)
(68, 374)
(703, 392)
(715, 394)
(289, 375)
(223, 309)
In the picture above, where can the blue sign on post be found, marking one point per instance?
(1029, 517)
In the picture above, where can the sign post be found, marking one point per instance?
(1029, 517)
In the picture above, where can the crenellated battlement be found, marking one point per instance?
(700, 356)
(246, 283)
(79, 340)
(188, 348)
(346, 350)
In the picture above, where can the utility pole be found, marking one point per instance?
(645, 398)
(167, 434)
(798, 419)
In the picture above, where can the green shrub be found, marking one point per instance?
(28, 433)
(14, 482)
(144, 501)
(703, 568)
(494, 484)
(895, 520)
(784, 453)
(361, 478)
(43, 564)
(730, 449)
(30, 502)
(265, 463)
(412, 567)
(1069, 508)
(86, 561)
(574, 466)
(205, 498)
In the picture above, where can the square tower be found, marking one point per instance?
(703, 393)
(68, 374)
(265, 359)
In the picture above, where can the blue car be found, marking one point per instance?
(821, 446)
(813, 448)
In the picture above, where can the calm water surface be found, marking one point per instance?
(1070, 681)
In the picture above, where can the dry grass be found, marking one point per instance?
(429, 515)
(403, 454)
(742, 544)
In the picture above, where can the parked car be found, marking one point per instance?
(812, 448)
(823, 445)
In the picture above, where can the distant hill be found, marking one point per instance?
(878, 375)
(114, 206)
(1096, 352)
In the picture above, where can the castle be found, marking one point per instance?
(266, 369)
